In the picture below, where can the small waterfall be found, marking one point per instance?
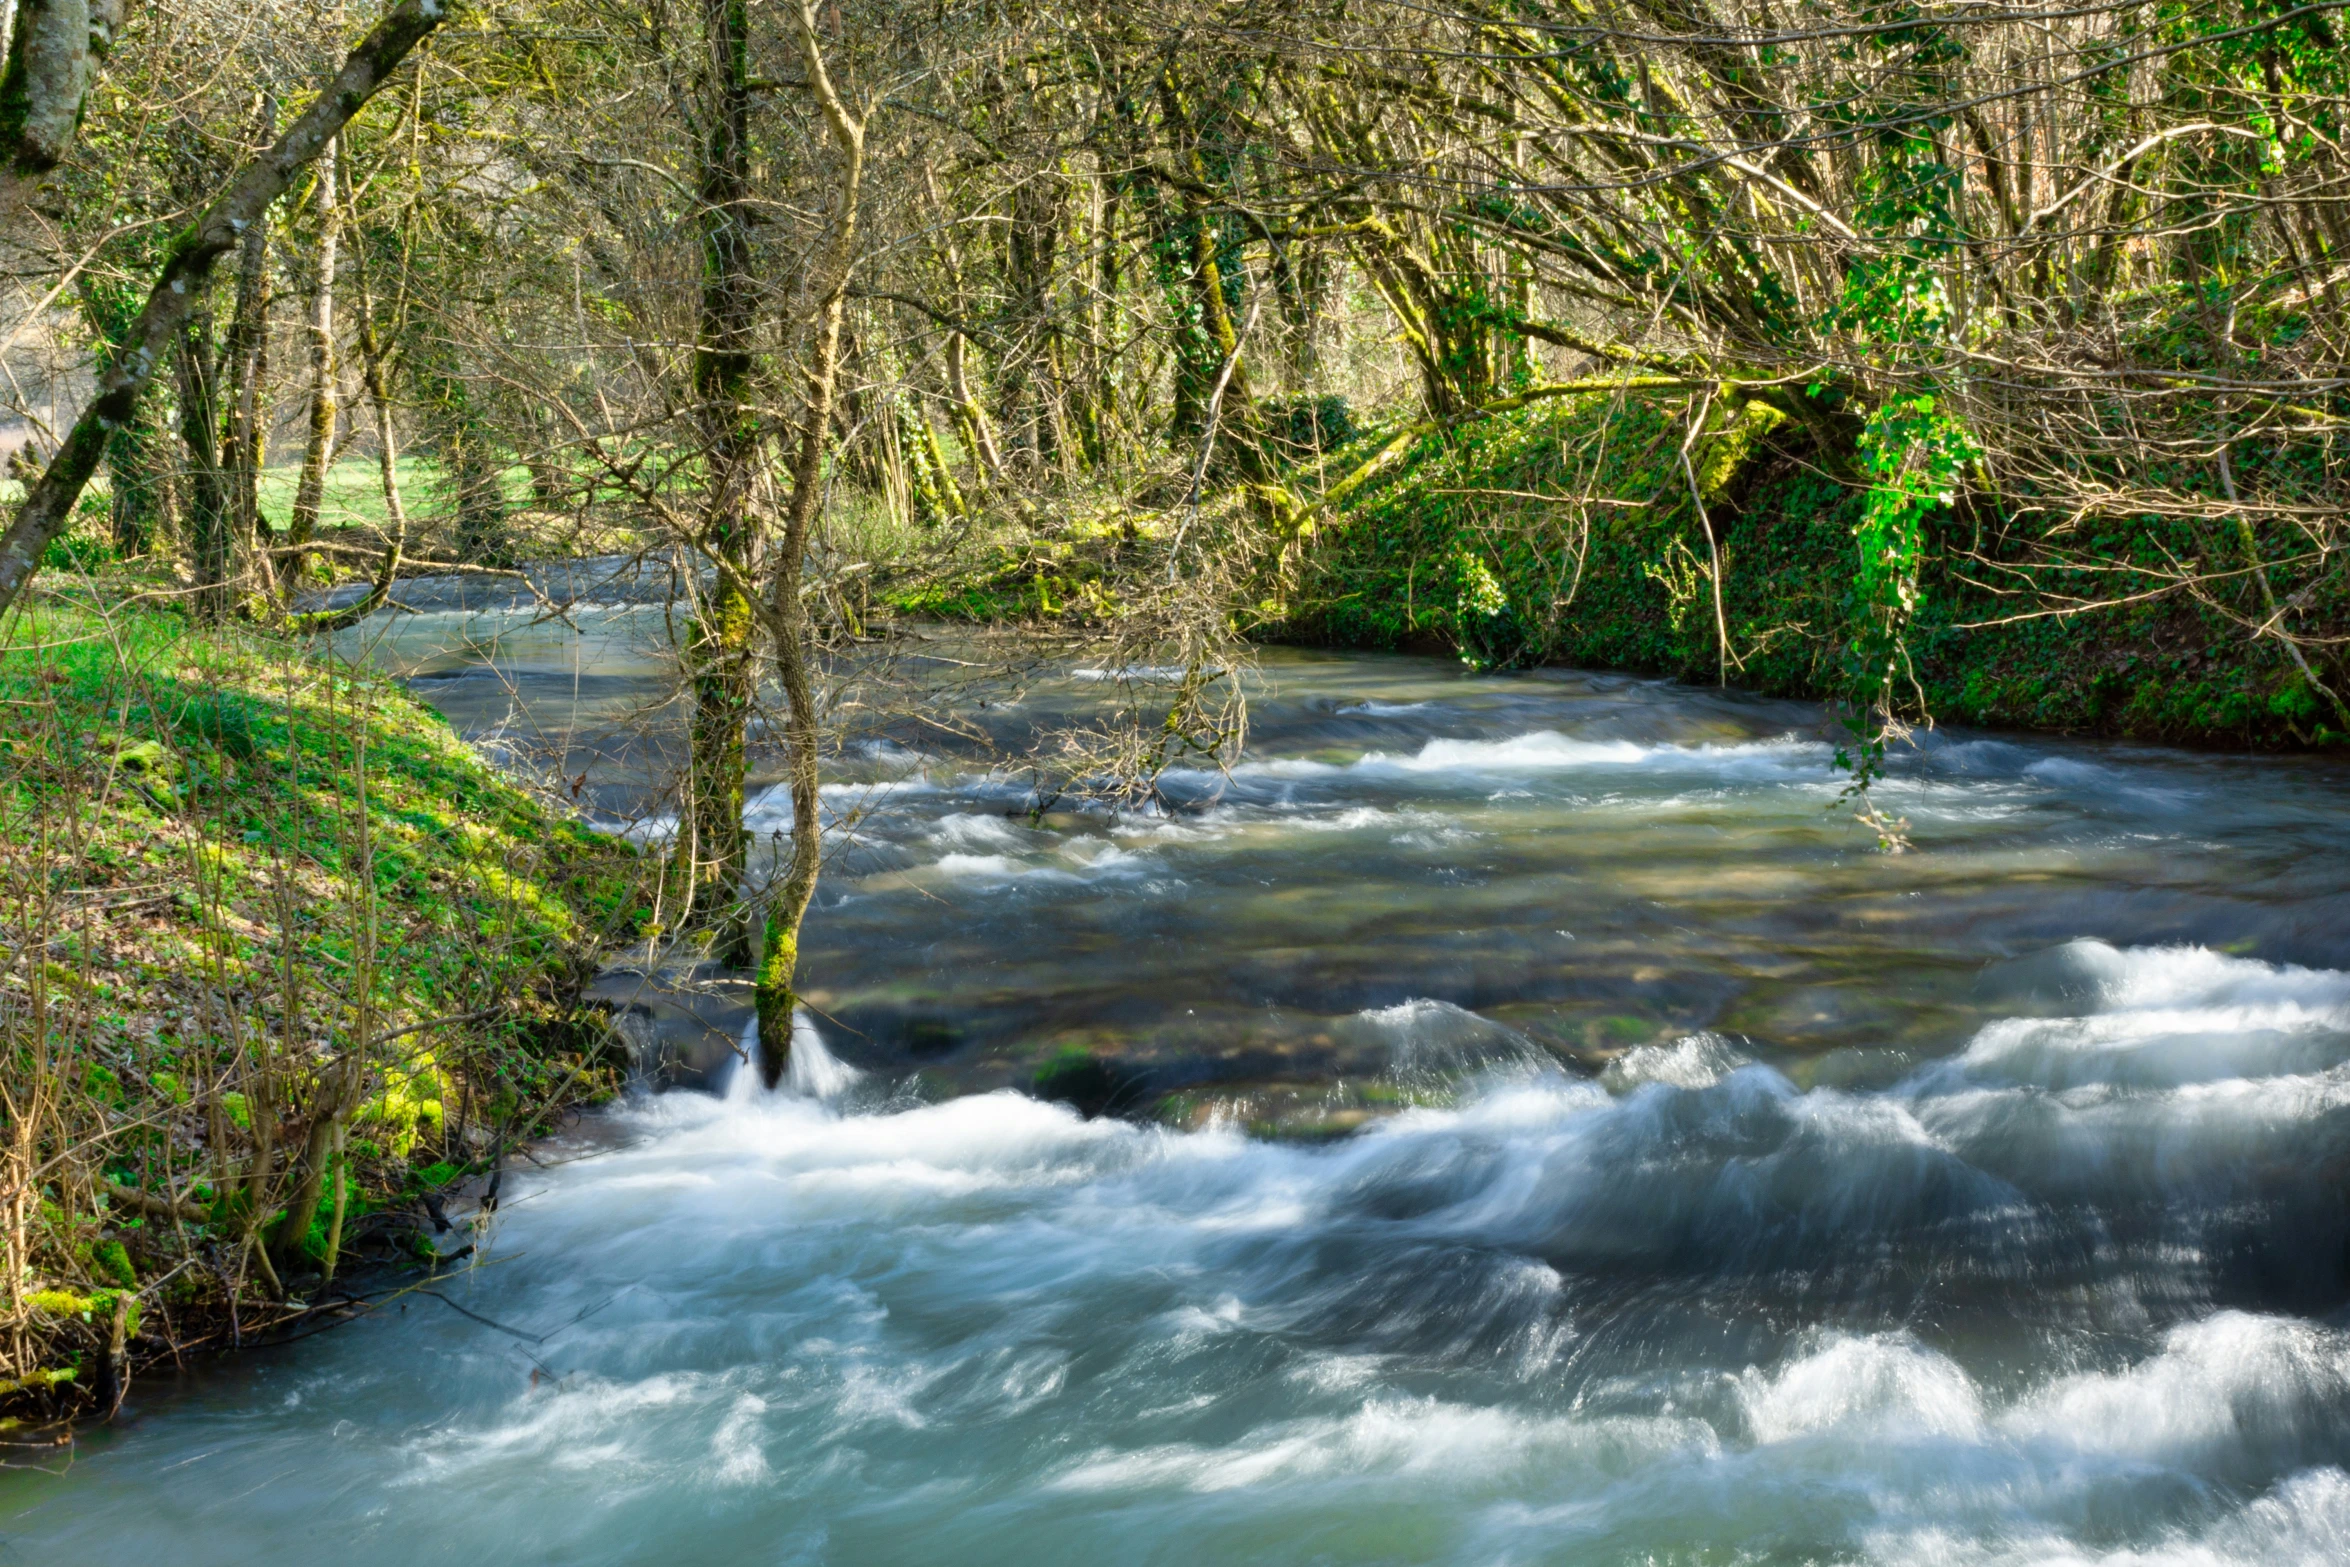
(813, 1073)
(742, 1079)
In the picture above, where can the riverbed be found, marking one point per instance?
(1658, 1172)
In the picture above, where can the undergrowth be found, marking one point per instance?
(1573, 532)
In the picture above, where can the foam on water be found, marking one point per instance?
(2163, 1016)
(1882, 1388)
(1784, 759)
(2232, 1394)
(1698, 1061)
(1426, 1039)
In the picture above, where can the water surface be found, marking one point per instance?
(1728, 1192)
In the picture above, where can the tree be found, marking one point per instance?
(54, 51)
(788, 899)
(181, 287)
(721, 654)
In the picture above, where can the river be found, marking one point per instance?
(1665, 1175)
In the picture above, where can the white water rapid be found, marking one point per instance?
(1748, 1197)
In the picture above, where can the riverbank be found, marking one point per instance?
(286, 959)
(1566, 534)
(263, 878)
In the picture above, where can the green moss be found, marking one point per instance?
(113, 1260)
(1091, 1084)
(408, 1108)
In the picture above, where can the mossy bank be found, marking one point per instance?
(1592, 531)
(1571, 533)
(284, 959)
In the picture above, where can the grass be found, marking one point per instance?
(283, 954)
(354, 496)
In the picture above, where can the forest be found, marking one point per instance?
(1932, 362)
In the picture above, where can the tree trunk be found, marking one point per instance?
(933, 457)
(1026, 379)
(469, 465)
(550, 487)
(180, 287)
(387, 456)
(970, 419)
(53, 49)
(339, 1195)
(1087, 367)
(139, 478)
(246, 436)
(1301, 274)
(969, 416)
(720, 654)
(309, 1187)
(310, 490)
(788, 900)
(208, 519)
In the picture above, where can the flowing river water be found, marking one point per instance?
(1715, 1190)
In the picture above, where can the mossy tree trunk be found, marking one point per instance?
(138, 453)
(53, 51)
(138, 474)
(721, 655)
(1201, 262)
(467, 453)
(209, 544)
(245, 435)
(1029, 379)
(971, 422)
(310, 489)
